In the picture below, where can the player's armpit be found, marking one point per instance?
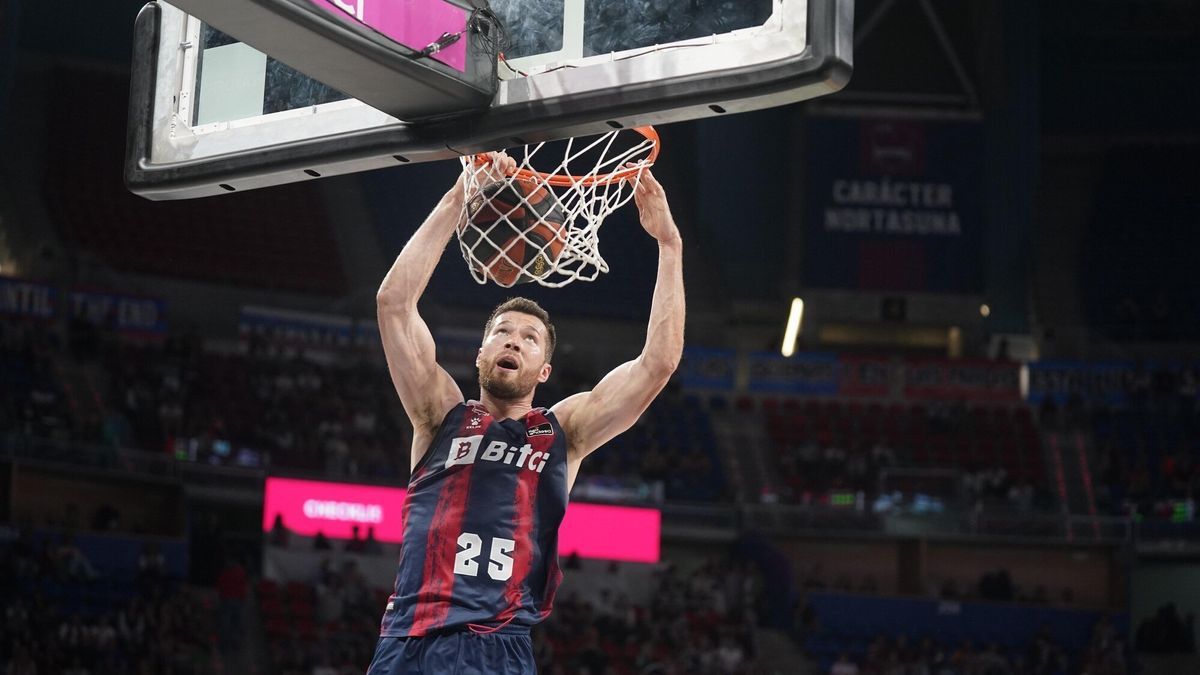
(592, 418)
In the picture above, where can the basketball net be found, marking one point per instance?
(584, 198)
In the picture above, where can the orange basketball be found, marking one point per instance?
(515, 231)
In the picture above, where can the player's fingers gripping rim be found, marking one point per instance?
(647, 187)
(487, 168)
(495, 165)
(636, 179)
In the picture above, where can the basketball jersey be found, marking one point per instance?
(481, 524)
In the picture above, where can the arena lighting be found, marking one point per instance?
(308, 507)
(985, 311)
(795, 316)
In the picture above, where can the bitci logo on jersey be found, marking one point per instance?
(465, 450)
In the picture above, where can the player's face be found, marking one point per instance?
(512, 360)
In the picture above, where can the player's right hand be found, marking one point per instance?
(497, 166)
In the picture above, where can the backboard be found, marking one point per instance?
(210, 115)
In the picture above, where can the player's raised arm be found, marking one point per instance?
(426, 390)
(592, 418)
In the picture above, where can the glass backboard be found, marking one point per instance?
(211, 115)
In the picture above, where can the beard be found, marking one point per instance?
(506, 388)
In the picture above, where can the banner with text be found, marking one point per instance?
(129, 314)
(27, 299)
(866, 376)
(457, 349)
(813, 374)
(894, 204)
(1092, 382)
(366, 334)
(707, 368)
(971, 380)
(335, 509)
(296, 329)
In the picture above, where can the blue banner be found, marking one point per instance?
(298, 329)
(27, 299)
(1092, 382)
(708, 368)
(366, 334)
(962, 380)
(894, 205)
(457, 349)
(815, 374)
(123, 313)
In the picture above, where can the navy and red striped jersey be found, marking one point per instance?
(481, 524)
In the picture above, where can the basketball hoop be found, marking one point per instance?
(542, 226)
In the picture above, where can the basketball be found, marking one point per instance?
(515, 230)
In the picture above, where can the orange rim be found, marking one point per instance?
(567, 180)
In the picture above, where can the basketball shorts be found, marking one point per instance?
(455, 652)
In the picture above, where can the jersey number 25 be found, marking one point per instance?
(500, 563)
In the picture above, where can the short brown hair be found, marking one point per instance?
(525, 306)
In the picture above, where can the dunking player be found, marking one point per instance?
(490, 478)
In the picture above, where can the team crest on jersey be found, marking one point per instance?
(463, 450)
(540, 430)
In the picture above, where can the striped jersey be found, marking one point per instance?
(481, 524)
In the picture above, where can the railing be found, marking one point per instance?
(690, 517)
(794, 519)
(784, 519)
(82, 456)
(1075, 528)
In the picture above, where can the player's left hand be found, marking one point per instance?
(653, 209)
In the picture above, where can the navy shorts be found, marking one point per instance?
(456, 652)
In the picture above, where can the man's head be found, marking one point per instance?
(518, 341)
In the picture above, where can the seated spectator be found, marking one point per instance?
(72, 563)
(231, 590)
(355, 544)
(321, 542)
(152, 567)
(1167, 632)
(371, 545)
(996, 586)
(106, 518)
(280, 536)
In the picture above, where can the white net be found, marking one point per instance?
(543, 225)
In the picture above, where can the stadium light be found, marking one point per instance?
(793, 327)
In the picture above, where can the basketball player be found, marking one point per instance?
(490, 478)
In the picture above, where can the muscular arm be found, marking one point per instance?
(592, 418)
(426, 390)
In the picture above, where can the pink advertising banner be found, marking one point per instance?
(592, 530)
(334, 508)
(611, 532)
